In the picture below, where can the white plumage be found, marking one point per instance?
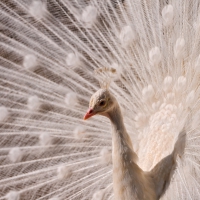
(129, 180)
(53, 53)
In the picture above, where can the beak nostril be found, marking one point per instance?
(89, 114)
(90, 111)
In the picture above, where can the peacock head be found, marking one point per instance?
(101, 103)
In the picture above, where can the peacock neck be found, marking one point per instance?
(119, 133)
(116, 118)
(128, 178)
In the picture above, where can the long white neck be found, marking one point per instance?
(119, 133)
(129, 181)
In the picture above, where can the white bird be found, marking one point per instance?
(129, 180)
(54, 53)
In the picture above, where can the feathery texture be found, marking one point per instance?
(49, 50)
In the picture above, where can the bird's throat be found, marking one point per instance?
(123, 157)
(120, 137)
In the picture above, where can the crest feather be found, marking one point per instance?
(105, 75)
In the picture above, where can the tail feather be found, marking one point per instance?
(179, 146)
(162, 173)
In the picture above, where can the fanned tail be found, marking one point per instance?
(162, 173)
(179, 146)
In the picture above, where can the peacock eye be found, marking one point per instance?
(102, 103)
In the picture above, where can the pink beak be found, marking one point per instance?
(89, 114)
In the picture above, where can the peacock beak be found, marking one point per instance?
(89, 114)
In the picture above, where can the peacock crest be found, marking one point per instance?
(106, 75)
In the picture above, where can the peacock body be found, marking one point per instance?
(54, 53)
